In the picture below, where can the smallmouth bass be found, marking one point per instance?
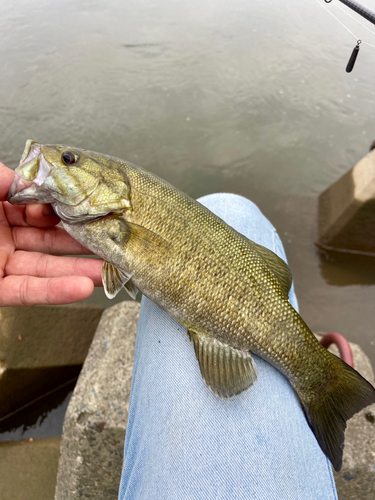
(229, 292)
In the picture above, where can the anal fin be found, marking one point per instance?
(226, 371)
(114, 279)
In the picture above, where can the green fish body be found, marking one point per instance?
(229, 292)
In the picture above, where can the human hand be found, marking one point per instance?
(32, 270)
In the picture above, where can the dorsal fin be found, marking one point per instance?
(278, 267)
(226, 371)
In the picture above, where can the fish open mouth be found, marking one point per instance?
(31, 173)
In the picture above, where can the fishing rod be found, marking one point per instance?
(366, 13)
(359, 9)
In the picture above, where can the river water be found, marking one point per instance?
(249, 97)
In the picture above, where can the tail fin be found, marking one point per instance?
(327, 413)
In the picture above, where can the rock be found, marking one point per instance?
(347, 211)
(41, 347)
(95, 423)
(28, 469)
(356, 480)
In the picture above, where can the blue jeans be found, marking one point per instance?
(184, 443)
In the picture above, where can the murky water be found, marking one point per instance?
(247, 97)
(41, 418)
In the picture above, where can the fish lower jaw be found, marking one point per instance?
(23, 192)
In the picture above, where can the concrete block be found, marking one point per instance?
(95, 423)
(94, 430)
(40, 348)
(347, 211)
(356, 480)
(28, 469)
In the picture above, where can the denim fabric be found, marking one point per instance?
(183, 442)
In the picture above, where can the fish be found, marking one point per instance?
(228, 291)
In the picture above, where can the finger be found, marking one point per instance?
(34, 214)
(29, 291)
(6, 239)
(46, 266)
(6, 179)
(41, 215)
(55, 241)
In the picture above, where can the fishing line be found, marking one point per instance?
(359, 9)
(337, 19)
(355, 51)
(358, 21)
(38, 398)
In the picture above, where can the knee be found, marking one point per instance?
(231, 201)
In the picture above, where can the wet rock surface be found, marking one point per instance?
(94, 429)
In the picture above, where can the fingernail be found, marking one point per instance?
(47, 210)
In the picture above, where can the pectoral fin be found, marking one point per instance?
(145, 239)
(131, 289)
(114, 279)
(226, 371)
(278, 267)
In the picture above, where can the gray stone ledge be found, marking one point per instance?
(91, 452)
(356, 480)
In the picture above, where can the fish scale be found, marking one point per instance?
(229, 292)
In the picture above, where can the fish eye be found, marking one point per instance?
(69, 158)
